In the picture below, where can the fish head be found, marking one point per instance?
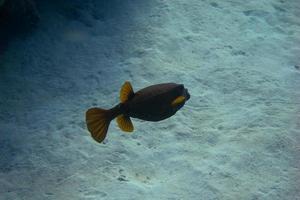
(186, 94)
(182, 91)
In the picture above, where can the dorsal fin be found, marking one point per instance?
(126, 92)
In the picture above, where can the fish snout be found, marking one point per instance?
(187, 94)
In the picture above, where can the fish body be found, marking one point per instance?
(153, 103)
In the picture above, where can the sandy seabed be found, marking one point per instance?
(236, 138)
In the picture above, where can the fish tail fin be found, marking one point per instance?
(126, 92)
(98, 120)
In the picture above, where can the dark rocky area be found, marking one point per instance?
(17, 17)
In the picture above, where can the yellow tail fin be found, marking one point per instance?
(125, 123)
(98, 121)
(126, 92)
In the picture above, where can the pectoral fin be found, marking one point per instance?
(179, 100)
(125, 123)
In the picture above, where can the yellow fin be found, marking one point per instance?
(179, 100)
(125, 123)
(126, 92)
(97, 121)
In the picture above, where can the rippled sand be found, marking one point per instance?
(236, 138)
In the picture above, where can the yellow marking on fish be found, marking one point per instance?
(179, 100)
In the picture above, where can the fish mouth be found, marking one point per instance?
(187, 94)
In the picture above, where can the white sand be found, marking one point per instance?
(236, 138)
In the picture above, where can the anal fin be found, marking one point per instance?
(125, 124)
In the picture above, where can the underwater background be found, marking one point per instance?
(236, 138)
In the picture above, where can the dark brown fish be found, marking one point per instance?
(153, 103)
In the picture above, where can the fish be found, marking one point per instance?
(153, 103)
